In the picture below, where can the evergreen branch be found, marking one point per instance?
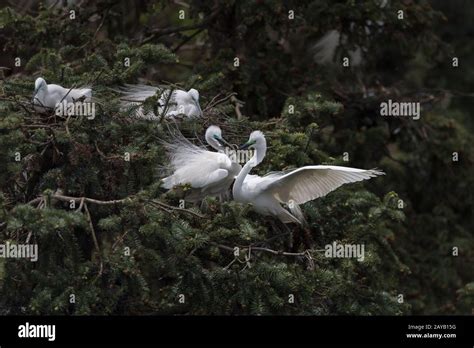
(119, 240)
(250, 249)
(103, 155)
(166, 106)
(268, 250)
(96, 243)
(82, 200)
(97, 30)
(213, 102)
(80, 205)
(167, 31)
(66, 126)
(48, 126)
(186, 39)
(272, 238)
(19, 103)
(170, 208)
(309, 139)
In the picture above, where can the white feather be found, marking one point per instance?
(179, 103)
(47, 96)
(268, 193)
(311, 182)
(208, 173)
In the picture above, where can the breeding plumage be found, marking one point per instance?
(208, 173)
(170, 106)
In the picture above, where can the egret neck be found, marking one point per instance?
(260, 147)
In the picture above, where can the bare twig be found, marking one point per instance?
(213, 102)
(167, 31)
(94, 238)
(237, 104)
(166, 106)
(187, 39)
(170, 208)
(97, 30)
(271, 251)
(120, 239)
(82, 199)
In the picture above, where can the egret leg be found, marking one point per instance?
(222, 199)
(203, 206)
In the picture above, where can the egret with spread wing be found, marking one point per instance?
(178, 103)
(268, 193)
(208, 173)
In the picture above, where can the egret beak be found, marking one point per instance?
(223, 142)
(244, 146)
(199, 108)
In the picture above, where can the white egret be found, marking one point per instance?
(208, 173)
(180, 102)
(268, 193)
(326, 48)
(49, 96)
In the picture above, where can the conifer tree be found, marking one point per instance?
(112, 241)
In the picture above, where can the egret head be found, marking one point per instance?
(256, 141)
(40, 84)
(194, 94)
(195, 97)
(214, 138)
(40, 89)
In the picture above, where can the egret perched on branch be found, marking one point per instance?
(268, 193)
(208, 173)
(178, 103)
(49, 96)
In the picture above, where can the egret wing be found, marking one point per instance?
(311, 182)
(80, 93)
(137, 93)
(199, 169)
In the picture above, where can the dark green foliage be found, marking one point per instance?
(149, 251)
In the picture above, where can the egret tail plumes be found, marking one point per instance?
(268, 193)
(208, 173)
(183, 156)
(169, 105)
